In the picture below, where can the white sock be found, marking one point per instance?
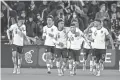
(48, 67)
(91, 63)
(58, 64)
(19, 62)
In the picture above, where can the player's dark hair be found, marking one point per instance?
(72, 24)
(98, 20)
(60, 20)
(20, 18)
(50, 16)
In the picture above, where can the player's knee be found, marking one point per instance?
(14, 53)
(74, 64)
(70, 66)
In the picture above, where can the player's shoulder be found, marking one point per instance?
(104, 29)
(45, 26)
(92, 28)
(78, 30)
(54, 27)
(13, 25)
(23, 26)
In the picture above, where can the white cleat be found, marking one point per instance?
(60, 74)
(18, 70)
(14, 70)
(71, 73)
(94, 72)
(98, 73)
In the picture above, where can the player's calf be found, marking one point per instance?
(64, 64)
(19, 63)
(84, 64)
(58, 66)
(71, 66)
(14, 59)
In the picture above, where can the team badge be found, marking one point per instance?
(51, 30)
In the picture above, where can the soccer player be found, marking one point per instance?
(61, 48)
(100, 36)
(87, 51)
(75, 39)
(89, 33)
(18, 34)
(49, 32)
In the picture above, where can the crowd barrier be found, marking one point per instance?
(34, 57)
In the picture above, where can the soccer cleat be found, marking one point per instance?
(94, 72)
(60, 74)
(18, 70)
(74, 73)
(98, 73)
(71, 73)
(14, 70)
(49, 72)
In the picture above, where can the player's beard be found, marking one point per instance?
(50, 25)
(60, 29)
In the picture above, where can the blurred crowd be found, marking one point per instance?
(36, 12)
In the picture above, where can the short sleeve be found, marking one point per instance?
(24, 29)
(106, 32)
(11, 27)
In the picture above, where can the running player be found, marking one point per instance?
(101, 34)
(75, 39)
(49, 32)
(60, 48)
(18, 33)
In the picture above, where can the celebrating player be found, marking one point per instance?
(49, 32)
(87, 50)
(18, 34)
(101, 34)
(75, 39)
(60, 48)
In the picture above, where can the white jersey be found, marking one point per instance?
(99, 39)
(119, 40)
(93, 29)
(75, 42)
(86, 45)
(49, 41)
(61, 36)
(17, 34)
